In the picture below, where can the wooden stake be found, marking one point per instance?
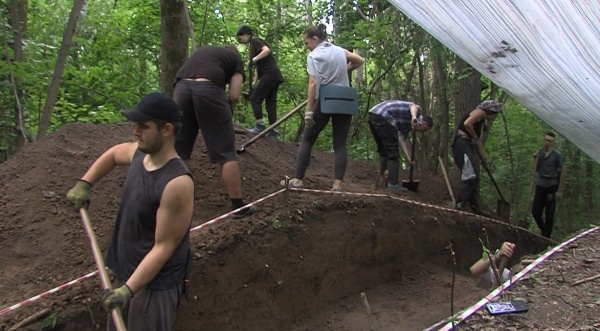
(31, 319)
(585, 280)
(363, 295)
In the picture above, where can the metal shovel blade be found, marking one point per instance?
(411, 185)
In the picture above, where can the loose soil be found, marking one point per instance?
(302, 263)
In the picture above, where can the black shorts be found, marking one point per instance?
(212, 110)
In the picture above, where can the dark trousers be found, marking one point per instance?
(265, 90)
(386, 138)
(340, 128)
(541, 203)
(150, 310)
(462, 147)
(205, 106)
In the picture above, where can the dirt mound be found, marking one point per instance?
(277, 270)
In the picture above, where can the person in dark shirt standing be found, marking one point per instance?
(268, 75)
(205, 105)
(466, 140)
(551, 179)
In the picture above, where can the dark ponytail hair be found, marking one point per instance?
(244, 29)
(319, 31)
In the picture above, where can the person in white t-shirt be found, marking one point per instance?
(483, 270)
(326, 64)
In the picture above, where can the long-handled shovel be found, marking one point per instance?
(115, 312)
(502, 206)
(412, 185)
(270, 128)
(523, 223)
(447, 181)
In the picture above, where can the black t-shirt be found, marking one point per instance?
(267, 67)
(218, 64)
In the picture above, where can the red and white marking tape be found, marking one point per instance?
(47, 293)
(219, 218)
(91, 274)
(469, 311)
(224, 216)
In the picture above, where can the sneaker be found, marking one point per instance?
(396, 187)
(247, 211)
(257, 129)
(292, 183)
(336, 189)
(273, 134)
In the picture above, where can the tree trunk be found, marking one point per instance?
(468, 89)
(18, 22)
(174, 41)
(441, 102)
(63, 53)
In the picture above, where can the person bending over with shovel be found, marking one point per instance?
(269, 78)
(467, 138)
(205, 105)
(150, 249)
(390, 122)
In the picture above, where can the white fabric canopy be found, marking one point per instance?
(544, 53)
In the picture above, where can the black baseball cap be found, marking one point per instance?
(154, 106)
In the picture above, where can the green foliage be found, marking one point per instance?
(116, 54)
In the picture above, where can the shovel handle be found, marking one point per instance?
(270, 128)
(115, 312)
(531, 186)
(447, 180)
(412, 153)
(490, 175)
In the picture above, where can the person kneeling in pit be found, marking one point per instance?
(484, 271)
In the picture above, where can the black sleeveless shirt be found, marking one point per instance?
(133, 236)
(476, 126)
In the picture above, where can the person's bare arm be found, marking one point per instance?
(235, 88)
(354, 60)
(173, 220)
(118, 155)
(563, 177)
(475, 116)
(482, 265)
(311, 92)
(264, 52)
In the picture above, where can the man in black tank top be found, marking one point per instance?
(466, 141)
(150, 249)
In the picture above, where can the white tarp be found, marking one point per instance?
(545, 54)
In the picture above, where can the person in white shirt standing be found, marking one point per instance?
(326, 64)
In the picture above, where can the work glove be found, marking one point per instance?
(117, 298)
(550, 197)
(79, 195)
(558, 195)
(308, 118)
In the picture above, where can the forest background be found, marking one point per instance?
(66, 61)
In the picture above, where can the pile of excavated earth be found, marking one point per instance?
(309, 260)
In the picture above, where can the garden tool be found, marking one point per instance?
(523, 222)
(412, 185)
(502, 206)
(115, 312)
(270, 128)
(453, 202)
